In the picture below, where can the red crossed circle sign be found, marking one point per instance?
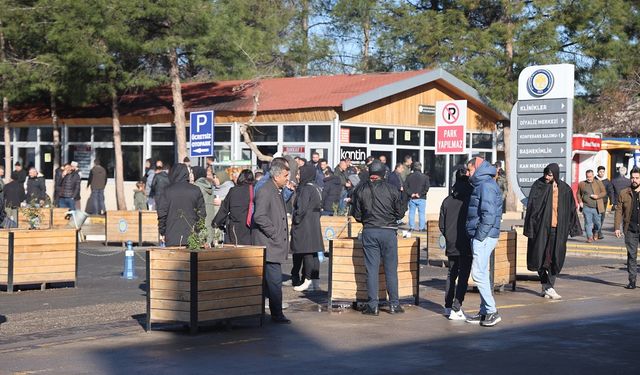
(450, 113)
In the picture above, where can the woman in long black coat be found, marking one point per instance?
(306, 235)
(547, 246)
(234, 211)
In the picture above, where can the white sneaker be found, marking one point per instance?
(457, 315)
(447, 311)
(304, 286)
(550, 293)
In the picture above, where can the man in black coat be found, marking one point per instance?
(378, 206)
(36, 189)
(180, 209)
(452, 223)
(331, 193)
(620, 182)
(14, 195)
(159, 183)
(551, 218)
(271, 230)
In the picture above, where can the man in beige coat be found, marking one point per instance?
(591, 194)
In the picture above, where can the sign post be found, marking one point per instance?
(451, 126)
(201, 132)
(542, 125)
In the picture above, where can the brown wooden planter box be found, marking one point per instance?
(40, 256)
(502, 265)
(51, 218)
(136, 226)
(435, 243)
(194, 287)
(339, 227)
(348, 277)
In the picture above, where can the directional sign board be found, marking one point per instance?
(451, 124)
(541, 125)
(201, 131)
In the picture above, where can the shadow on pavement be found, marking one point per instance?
(3, 319)
(591, 279)
(345, 344)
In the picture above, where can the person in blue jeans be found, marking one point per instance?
(416, 188)
(591, 194)
(483, 228)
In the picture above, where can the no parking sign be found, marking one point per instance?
(451, 125)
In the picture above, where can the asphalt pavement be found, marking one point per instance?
(97, 328)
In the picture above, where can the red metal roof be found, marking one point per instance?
(276, 94)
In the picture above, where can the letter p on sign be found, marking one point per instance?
(201, 119)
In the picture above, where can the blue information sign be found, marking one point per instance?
(201, 131)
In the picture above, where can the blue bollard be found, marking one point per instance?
(129, 272)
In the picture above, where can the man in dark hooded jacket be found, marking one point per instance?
(453, 218)
(483, 228)
(331, 193)
(551, 218)
(180, 209)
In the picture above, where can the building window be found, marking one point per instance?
(319, 133)
(456, 162)
(102, 134)
(132, 161)
(482, 140)
(163, 134)
(402, 152)
(409, 137)
(76, 134)
(222, 153)
(222, 134)
(435, 166)
(264, 133)
(293, 133)
(353, 134)
(429, 138)
(166, 154)
(46, 134)
(381, 136)
(131, 133)
(29, 134)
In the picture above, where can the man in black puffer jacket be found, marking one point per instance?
(331, 193)
(378, 206)
(453, 220)
(180, 209)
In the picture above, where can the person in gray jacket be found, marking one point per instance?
(271, 230)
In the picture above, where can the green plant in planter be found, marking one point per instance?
(198, 236)
(33, 213)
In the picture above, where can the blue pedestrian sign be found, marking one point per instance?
(201, 131)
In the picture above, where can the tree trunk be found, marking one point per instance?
(245, 132)
(178, 107)
(5, 118)
(56, 134)
(117, 149)
(366, 29)
(304, 25)
(511, 201)
(7, 139)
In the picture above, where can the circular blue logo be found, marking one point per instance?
(122, 225)
(442, 242)
(329, 233)
(540, 83)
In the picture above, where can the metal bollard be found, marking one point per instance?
(129, 272)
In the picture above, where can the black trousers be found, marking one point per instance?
(310, 267)
(547, 279)
(273, 287)
(459, 270)
(631, 240)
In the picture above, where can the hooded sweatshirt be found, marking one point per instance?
(206, 188)
(453, 217)
(485, 205)
(181, 207)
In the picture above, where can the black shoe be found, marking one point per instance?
(368, 310)
(600, 237)
(396, 309)
(476, 319)
(631, 285)
(280, 319)
(491, 320)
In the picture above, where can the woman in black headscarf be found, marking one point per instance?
(306, 235)
(551, 217)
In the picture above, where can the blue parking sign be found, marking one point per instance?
(201, 131)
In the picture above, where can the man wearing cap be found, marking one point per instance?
(379, 219)
(69, 187)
